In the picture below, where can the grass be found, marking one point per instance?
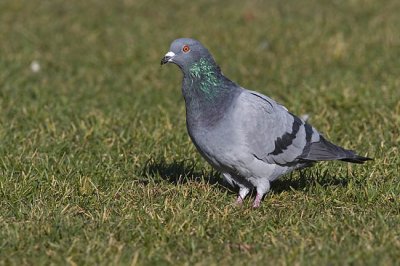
(96, 166)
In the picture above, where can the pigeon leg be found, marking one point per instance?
(257, 201)
(243, 191)
(262, 189)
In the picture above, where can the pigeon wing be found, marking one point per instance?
(276, 136)
(270, 132)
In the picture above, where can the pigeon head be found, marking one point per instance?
(202, 78)
(186, 52)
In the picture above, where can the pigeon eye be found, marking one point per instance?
(186, 48)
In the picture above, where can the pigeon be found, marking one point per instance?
(248, 137)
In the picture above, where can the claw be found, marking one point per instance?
(257, 201)
(239, 201)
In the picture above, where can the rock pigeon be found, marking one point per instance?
(250, 138)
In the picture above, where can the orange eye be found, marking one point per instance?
(186, 48)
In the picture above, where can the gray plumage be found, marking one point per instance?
(247, 136)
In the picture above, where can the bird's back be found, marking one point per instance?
(276, 136)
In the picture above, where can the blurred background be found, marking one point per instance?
(85, 108)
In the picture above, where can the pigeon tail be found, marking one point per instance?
(324, 150)
(357, 159)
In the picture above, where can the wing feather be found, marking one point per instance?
(271, 133)
(276, 136)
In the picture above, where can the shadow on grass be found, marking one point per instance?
(307, 179)
(179, 172)
(182, 172)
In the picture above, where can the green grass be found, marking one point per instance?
(96, 166)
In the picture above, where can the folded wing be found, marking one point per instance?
(276, 136)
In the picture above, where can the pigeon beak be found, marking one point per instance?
(167, 58)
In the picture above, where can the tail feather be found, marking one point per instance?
(357, 159)
(324, 150)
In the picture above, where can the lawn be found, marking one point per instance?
(96, 166)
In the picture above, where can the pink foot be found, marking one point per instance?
(239, 201)
(257, 201)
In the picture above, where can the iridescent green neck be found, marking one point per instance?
(205, 75)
